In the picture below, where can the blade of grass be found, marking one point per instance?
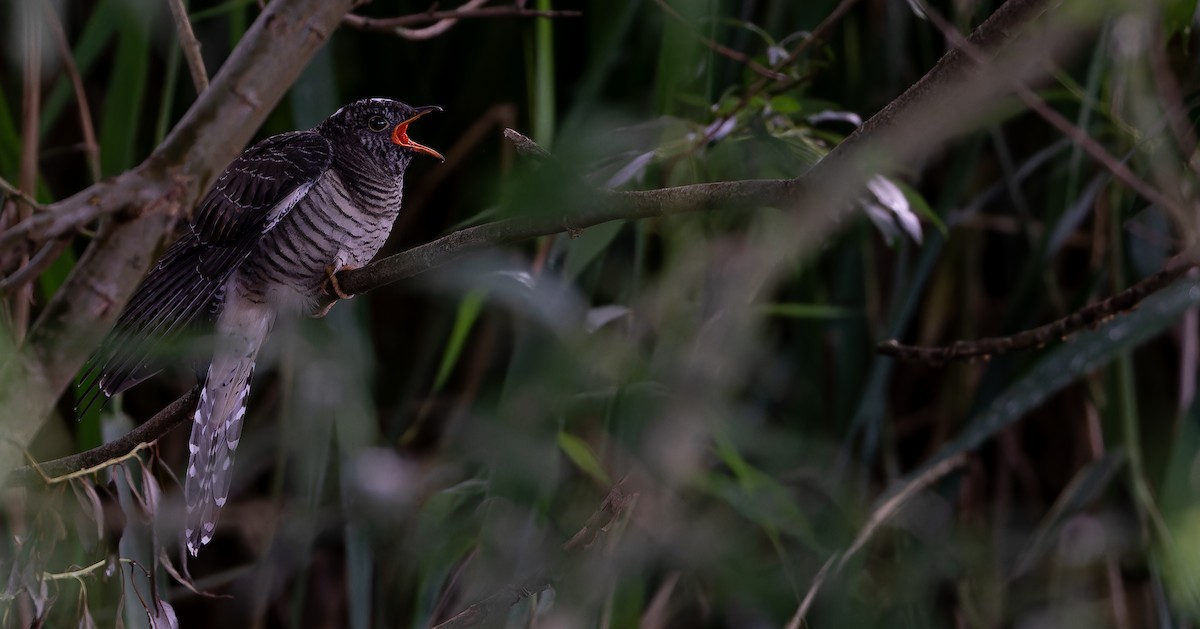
(543, 79)
(126, 94)
(464, 321)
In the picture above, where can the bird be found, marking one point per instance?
(267, 240)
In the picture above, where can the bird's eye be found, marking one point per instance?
(377, 123)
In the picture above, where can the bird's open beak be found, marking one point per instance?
(400, 133)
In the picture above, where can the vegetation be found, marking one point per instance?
(649, 365)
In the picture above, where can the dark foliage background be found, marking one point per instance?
(435, 442)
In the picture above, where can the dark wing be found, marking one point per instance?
(186, 286)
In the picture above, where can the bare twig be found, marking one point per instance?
(34, 267)
(189, 44)
(399, 25)
(1054, 331)
(526, 147)
(720, 48)
(90, 145)
(163, 422)
(12, 191)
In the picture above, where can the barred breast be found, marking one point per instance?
(330, 228)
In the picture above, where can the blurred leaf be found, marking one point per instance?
(83, 613)
(85, 492)
(103, 22)
(162, 616)
(891, 214)
(918, 203)
(785, 104)
(587, 246)
(808, 311)
(468, 313)
(1085, 488)
(314, 96)
(122, 113)
(10, 141)
(360, 566)
(1177, 15)
(580, 453)
(220, 9)
(601, 316)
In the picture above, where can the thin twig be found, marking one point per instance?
(1040, 336)
(34, 267)
(798, 618)
(173, 415)
(12, 191)
(390, 24)
(90, 145)
(720, 48)
(525, 146)
(190, 45)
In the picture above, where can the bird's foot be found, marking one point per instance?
(331, 281)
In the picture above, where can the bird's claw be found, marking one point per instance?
(331, 281)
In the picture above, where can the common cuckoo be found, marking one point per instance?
(267, 239)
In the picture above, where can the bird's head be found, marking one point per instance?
(376, 129)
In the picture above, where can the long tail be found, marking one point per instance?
(217, 428)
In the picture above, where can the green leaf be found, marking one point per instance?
(123, 109)
(784, 104)
(1177, 15)
(917, 202)
(581, 455)
(468, 313)
(589, 244)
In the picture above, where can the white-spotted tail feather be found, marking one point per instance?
(217, 426)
